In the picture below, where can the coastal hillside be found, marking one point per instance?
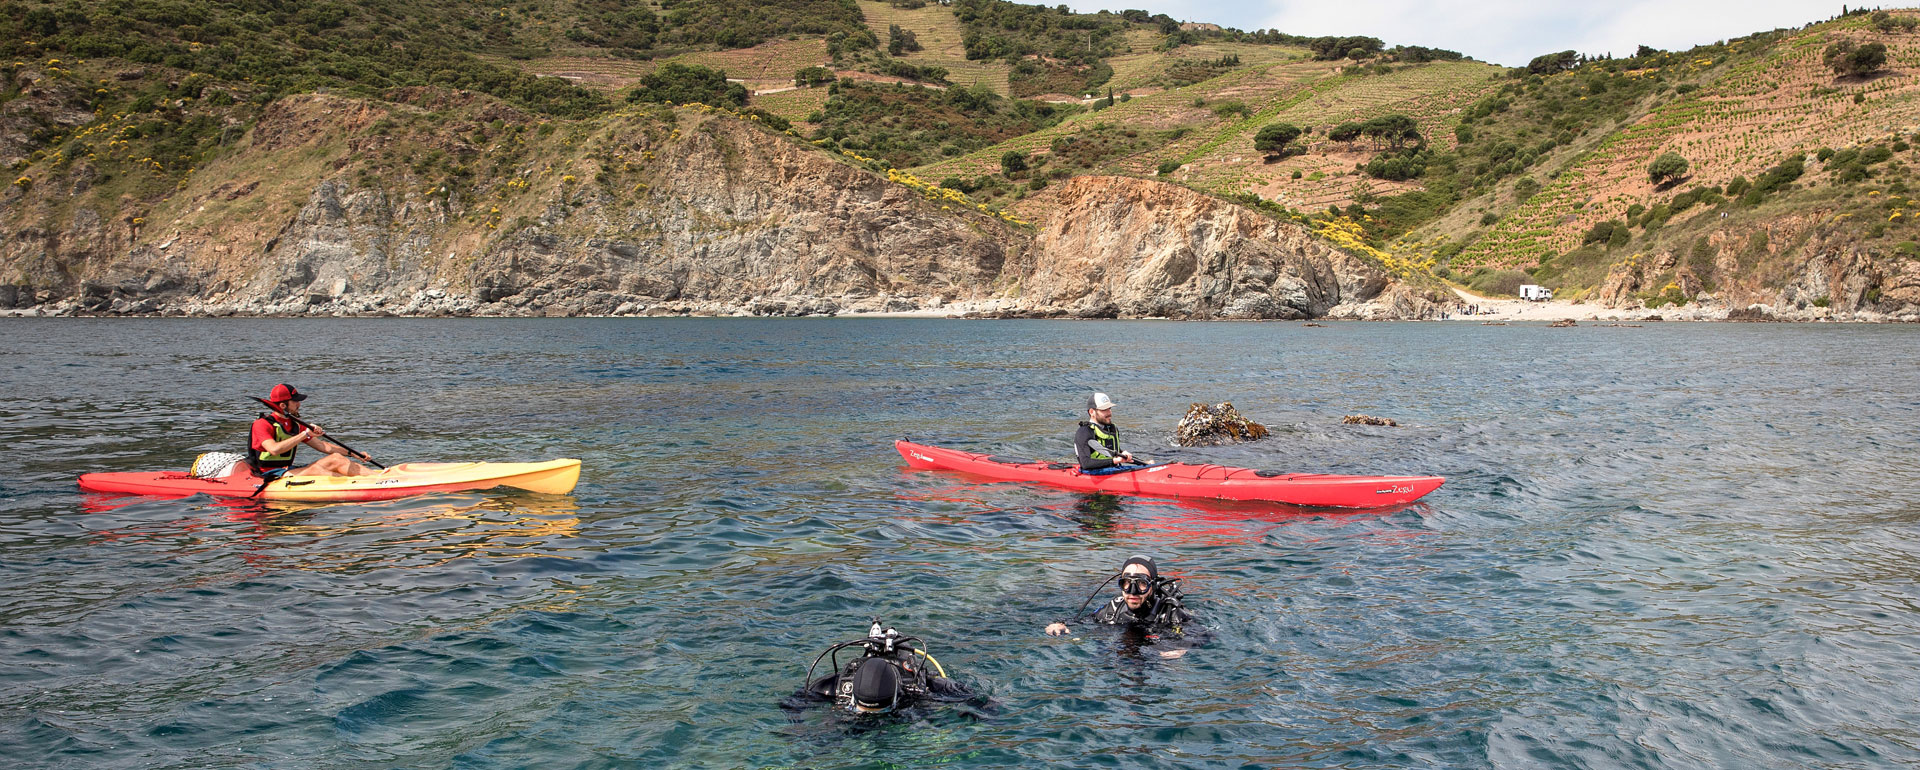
(818, 156)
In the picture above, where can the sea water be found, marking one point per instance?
(1665, 546)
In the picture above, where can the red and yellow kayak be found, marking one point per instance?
(1317, 490)
(556, 477)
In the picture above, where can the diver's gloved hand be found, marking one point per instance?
(941, 685)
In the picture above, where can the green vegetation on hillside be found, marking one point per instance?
(297, 47)
(1504, 136)
(909, 126)
(676, 83)
(743, 23)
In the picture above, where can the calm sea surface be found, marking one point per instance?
(1678, 546)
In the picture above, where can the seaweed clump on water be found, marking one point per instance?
(1363, 419)
(1217, 424)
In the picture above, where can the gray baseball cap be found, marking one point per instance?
(1099, 401)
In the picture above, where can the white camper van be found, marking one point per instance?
(1535, 293)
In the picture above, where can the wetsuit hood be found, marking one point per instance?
(1153, 570)
(876, 685)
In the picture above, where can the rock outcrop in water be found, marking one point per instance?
(329, 206)
(1216, 424)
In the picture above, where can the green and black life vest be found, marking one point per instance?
(1109, 440)
(262, 458)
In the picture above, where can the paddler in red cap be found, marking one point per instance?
(277, 436)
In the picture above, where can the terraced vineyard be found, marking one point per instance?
(1746, 117)
(1429, 93)
(1164, 110)
(793, 104)
(1144, 67)
(768, 65)
(942, 40)
(600, 72)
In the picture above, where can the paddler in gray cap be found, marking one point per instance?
(1098, 441)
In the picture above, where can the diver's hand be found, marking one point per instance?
(1056, 629)
(1171, 654)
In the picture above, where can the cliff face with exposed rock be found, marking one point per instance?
(1124, 247)
(1797, 267)
(334, 206)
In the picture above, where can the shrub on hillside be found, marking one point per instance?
(963, 185)
(1274, 140)
(1612, 232)
(676, 83)
(1502, 282)
(1845, 57)
(808, 77)
(1013, 162)
(1780, 175)
(1554, 62)
(1396, 130)
(1331, 48)
(1228, 110)
(1889, 23)
(901, 40)
(1669, 167)
(1396, 166)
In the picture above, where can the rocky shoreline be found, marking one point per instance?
(434, 303)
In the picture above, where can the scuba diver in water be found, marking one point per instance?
(890, 673)
(1149, 606)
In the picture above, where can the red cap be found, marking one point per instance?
(283, 393)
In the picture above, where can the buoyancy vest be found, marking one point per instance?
(1109, 438)
(263, 458)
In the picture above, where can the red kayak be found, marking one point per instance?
(1317, 490)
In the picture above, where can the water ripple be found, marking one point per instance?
(1689, 546)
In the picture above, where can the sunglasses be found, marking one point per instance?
(1136, 584)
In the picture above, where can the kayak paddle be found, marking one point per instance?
(302, 423)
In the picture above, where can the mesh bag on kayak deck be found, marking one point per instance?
(212, 465)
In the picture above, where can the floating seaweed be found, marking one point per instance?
(1361, 419)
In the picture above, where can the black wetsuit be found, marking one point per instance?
(1158, 613)
(1163, 622)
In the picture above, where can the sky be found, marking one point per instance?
(1506, 32)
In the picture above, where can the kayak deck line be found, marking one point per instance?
(1203, 480)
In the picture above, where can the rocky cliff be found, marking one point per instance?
(456, 204)
(1797, 267)
(1124, 247)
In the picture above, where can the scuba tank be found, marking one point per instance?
(888, 672)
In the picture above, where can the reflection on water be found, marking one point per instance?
(1682, 546)
(415, 533)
